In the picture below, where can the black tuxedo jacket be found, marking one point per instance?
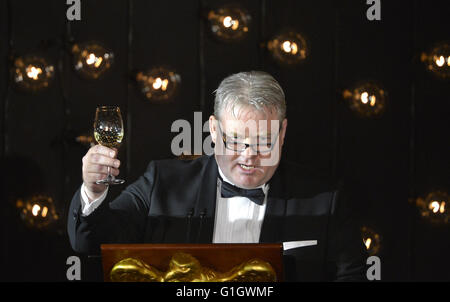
(175, 202)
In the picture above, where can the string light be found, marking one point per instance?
(86, 140)
(371, 239)
(366, 100)
(32, 73)
(91, 60)
(158, 84)
(288, 48)
(229, 23)
(434, 207)
(38, 211)
(437, 60)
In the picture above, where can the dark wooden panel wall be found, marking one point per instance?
(384, 162)
(374, 152)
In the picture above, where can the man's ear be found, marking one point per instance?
(213, 128)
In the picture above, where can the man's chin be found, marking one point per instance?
(247, 181)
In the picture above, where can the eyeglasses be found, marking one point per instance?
(236, 146)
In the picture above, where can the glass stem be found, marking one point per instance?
(109, 173)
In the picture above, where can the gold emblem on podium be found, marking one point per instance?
(184, 267)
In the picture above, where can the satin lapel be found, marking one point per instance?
(205, 210)
(271, 230)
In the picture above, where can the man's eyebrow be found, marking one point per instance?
(235, 134)
(259, 137)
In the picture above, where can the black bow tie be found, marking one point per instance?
(255, 195)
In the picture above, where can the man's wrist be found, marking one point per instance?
(92, 195)
(89, 204)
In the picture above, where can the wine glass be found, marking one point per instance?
(108, 132)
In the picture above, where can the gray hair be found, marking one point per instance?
(254, 88)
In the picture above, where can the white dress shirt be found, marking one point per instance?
(238, 219)
(89, 207)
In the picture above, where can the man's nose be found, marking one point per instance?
(249, 152)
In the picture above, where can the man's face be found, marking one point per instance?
(249, 168)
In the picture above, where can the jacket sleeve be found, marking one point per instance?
(122, 220)
(347, 249)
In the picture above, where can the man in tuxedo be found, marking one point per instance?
(243, 193)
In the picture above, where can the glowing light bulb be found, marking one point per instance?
(435, 60)
(366, 99)
(91, 60)
(371, 240)
(158, 83)
(85, 139)
(235, 26)
(98, 62)
(433, 207)
(442, 207)
(38, 211)
(44, 212)
(367, 243)
(35, 209)
(440, 61)
(164, 84)
(288, 48)
(294, 48)
(229, 23)
(32, 73)
(436, 206)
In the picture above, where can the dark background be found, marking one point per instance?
(385, 161)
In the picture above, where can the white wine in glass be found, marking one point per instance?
(108, 132)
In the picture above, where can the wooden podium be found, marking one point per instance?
(217, 257)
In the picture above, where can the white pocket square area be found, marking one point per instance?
(295, 244)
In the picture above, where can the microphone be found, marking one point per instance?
(189, 219)
(202, 216)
